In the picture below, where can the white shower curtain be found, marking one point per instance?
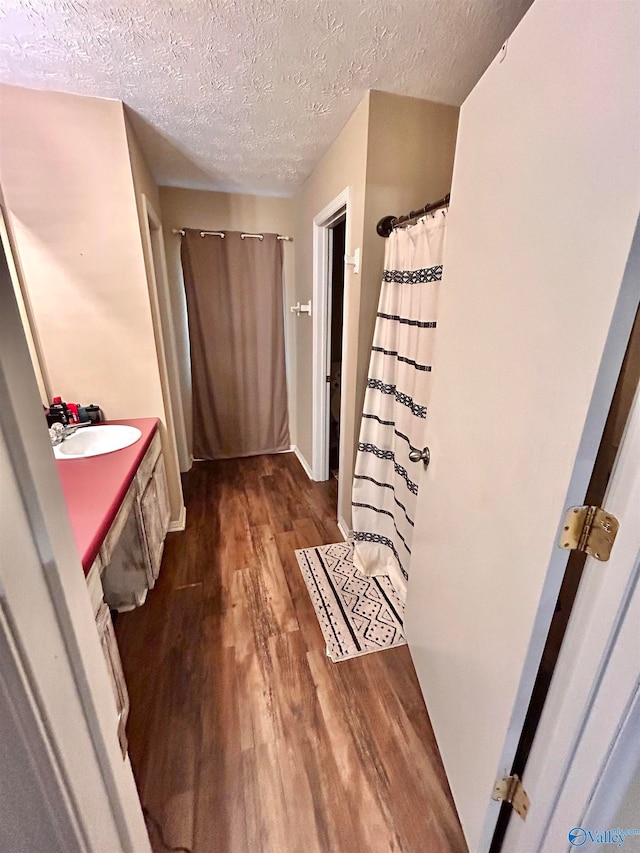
(385, 486)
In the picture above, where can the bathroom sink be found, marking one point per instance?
(96, 440)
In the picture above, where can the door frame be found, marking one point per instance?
(329, 216)
(167, 352)
(26, 312)
(153, 241)
(584, 667)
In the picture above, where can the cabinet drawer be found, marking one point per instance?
(148, 463)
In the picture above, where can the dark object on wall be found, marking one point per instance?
(388, 223)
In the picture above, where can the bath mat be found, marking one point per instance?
(357, 614)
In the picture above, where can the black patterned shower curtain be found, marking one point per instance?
(386, 483)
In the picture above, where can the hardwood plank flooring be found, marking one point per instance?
(243, 736)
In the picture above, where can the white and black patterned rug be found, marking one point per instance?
(357, 614)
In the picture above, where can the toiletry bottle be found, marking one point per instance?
(94, 412)
(59, 411)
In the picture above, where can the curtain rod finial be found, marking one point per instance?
(385, 226)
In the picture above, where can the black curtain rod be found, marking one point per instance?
(388, 223)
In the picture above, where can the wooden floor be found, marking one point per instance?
(243, 735)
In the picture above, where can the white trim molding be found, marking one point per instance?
(181, 521)
(26, 311)
(163, 325)
(302, 461)
(343, 527)
(322, 222)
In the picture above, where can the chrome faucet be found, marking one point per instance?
(58, 432)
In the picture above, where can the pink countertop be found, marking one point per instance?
(95, 487)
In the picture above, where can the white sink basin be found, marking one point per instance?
(96, 440)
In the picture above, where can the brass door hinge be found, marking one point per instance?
(510, 790)
(589, 529)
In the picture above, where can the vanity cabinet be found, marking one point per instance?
(132, 549)
(128, 564)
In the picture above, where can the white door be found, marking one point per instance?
(586, 754)
(535, 314)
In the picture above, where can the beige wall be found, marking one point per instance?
(67, 180)
(212, 211)
(344, 165)
(410, 155)
(395, 154)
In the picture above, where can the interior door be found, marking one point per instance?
(327, 361)
(536, 308)
(587, 751)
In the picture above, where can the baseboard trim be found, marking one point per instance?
(302, 461)
(181, 522)
(343, 527)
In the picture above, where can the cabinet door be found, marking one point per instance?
(125, 581)
(94, 584)
(152, 528)
(114, 668)
(162, 490)
(154, 506)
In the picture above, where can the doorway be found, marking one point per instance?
(163, 326)
(337, 238)
(330, 340)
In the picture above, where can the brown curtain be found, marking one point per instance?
(236, 333)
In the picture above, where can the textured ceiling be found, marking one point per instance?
(247, 95)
